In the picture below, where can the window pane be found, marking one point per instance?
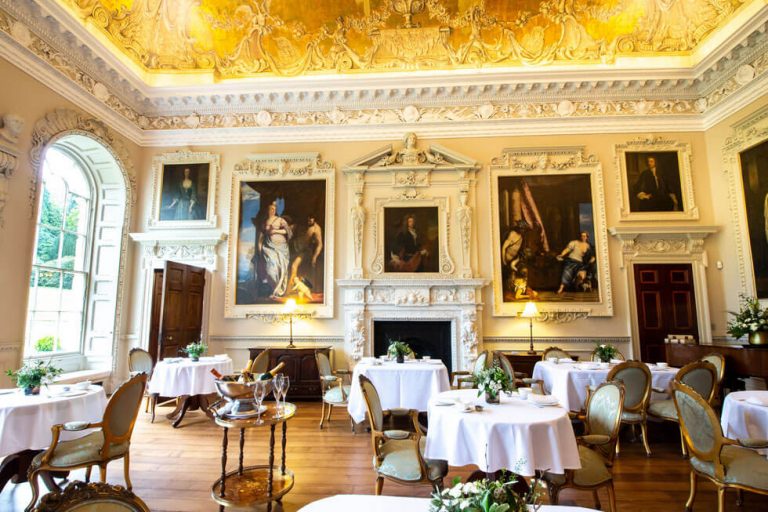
(72, 292)
(52, 205)
(76, 215)
(70, 331)
(43, 331)
(73, 252)
(48, 240)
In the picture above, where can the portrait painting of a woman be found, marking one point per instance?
(184, 192)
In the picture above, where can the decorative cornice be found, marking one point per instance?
(656, 241)
(482, 103)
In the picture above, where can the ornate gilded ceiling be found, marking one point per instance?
(246, 38)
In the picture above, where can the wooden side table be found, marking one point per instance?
(248, 486)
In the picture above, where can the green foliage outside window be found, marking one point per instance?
(46, 344)
(50, 237)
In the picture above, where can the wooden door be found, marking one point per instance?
(157, 304)
(181, 315)
(666, 304)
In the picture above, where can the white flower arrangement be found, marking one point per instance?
(486, 496)
(750, 318)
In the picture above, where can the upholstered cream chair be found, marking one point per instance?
(701, 376)
(460, 378)
(335, 392)
(555, 352)
(596, 447)
(726, 462)
(619, 355)
(92, 497)
(110, 441)
(140, 361)
(398, 455)
(637, 380)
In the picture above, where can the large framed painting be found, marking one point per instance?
(549, 241)
(281, 236)
(184, 190)
(754, 182)
(654, 180)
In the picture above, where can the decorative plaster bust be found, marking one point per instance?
(410, 154)
(12, 126)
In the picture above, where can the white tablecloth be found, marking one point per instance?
(367, 503)
(409, 385)
(743, 420)
(26, 421)
(568, 381)
(187, 378)
(515, 435)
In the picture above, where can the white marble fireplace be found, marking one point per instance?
(405, 178)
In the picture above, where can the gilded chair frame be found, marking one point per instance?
(77, 493)
(335, 378)
(468, 377)
(549, 350)
(679, 377)
(719, 368)
(518, 379)
(379, 436)
(606, 448)
(713, 455)
(151, 397)
(641, 407)
(110, 438)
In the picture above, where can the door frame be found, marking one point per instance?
(666, 245)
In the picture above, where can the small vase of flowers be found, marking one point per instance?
(492, 381)
(32, 375)
(486, 496)
(751, 320)
(605, 352)
(195, 350)
(399, 350)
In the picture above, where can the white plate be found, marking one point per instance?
(432, 361)
(69, 394)
(441, 402)
(247, 414)
(543, 399)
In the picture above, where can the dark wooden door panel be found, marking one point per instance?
(181, 313)
(666, 305)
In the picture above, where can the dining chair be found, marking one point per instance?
(637, 380)
(727, 463)
(91, 497)
(140, 361)
(597, 447)
(701, 376)
(398, 455)
(109, 442)
(718, 360)
(618, 355)
(518, 379)
(333, 389)
(554, 352)
(466, 377)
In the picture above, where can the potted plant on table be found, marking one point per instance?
(399, 350)
(751, 320)
(486, 496)
(32, 375)
(492, 381)
(606, 352)
(195, 350)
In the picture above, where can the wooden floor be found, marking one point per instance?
(173, 469)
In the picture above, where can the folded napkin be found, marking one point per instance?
(221, 356)
(756, 400)
(173, 359)
(616, 361)
(565, 360)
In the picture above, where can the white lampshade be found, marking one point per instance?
(530, 310)
(290, 306)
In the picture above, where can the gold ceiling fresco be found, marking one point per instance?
(247, 38)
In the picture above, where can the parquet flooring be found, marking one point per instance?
(173, 469)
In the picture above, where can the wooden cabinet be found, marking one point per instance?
(523, 362)
(300, 367)
(740, 360)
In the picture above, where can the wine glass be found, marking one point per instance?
(284, 390)
(259, 392)
(278, 391)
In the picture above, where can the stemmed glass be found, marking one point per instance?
(279, 382)
(259, 392)
(284, 389)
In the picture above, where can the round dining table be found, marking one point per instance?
(516, 434)
(568, 381)
(190, 382)
(745, 415)
(26, 421)
(407, 385)
(401, 504)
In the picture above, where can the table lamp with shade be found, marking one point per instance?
(289, 310)
(530, 312)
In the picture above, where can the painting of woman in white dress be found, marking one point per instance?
(184, 192)
(280, 249)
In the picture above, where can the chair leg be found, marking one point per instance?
(379, 485)
(154, 404)
(692, 495)
(596, 496)
(682, 444)
(618, 441)
(88, 474)
(146, 404)
(721, 499)
(644, 432)
(32, 477)
(611, 497)
(126, 466)
(103, 473)
(739, 498)
(330, 410)
(322, 415)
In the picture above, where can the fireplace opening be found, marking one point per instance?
(426, 338)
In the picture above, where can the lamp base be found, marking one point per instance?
(532, 352)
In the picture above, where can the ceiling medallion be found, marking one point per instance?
(283, 38)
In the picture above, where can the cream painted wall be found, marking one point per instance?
(26, 97)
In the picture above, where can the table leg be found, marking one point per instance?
(15, 466)
(242, 446)
(183, 404)
(282, 465)
(224, 462)
(271, 463)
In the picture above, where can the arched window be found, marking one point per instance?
(59, 283)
